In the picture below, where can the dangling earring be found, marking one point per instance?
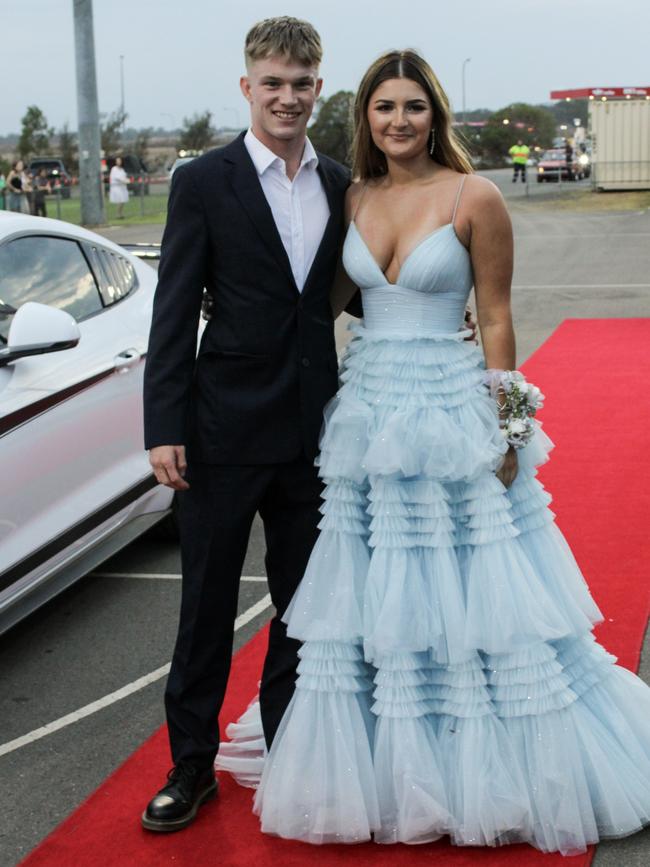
(433, 141)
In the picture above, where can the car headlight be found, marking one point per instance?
(583, 160)
(540, 169)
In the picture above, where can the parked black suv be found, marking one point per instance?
(134, 167)
(57, 174)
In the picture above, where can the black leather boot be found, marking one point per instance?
(176, 804)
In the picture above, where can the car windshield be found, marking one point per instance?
(554, 155)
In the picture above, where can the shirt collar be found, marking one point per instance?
(263, 157)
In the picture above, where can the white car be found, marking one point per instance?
(178, 162)
(76, 485)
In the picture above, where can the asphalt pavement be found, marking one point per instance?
(116, 627)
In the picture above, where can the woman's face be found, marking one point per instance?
(20, 166)
(400, 117)
(118, 161)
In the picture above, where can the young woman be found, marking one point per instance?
(449, 681)
(118, 190)
(19, 186)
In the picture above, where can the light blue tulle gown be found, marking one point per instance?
(449, 682)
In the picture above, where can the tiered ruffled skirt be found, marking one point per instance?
(449, 682)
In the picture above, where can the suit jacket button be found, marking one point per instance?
(304, 362)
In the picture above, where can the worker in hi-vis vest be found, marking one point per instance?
(519, 154)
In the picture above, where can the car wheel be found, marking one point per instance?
(168, 529)
(539, 180)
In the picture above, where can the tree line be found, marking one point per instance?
(37, 138)
(330, 131)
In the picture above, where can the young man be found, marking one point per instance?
(235, 430)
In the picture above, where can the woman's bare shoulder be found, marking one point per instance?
(352, 196)
(482, 190)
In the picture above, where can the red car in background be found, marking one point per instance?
(554, 164)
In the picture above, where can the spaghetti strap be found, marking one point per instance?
(460, 190)
(359, 200)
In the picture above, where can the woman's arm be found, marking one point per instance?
(491, 250)
(344, 289)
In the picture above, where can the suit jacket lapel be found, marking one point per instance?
(247, 188)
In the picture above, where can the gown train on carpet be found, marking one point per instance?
(449, 682)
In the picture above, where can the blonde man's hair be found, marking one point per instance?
(285, 37)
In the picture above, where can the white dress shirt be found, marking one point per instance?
(299, 207)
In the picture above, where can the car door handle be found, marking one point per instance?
(126, 359)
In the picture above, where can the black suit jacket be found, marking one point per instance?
(267, 362)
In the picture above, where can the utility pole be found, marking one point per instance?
(90, 169)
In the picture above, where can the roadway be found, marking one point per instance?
(116, 627)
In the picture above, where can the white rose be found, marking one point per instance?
(517, 427)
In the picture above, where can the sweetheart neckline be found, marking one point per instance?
(406, 260)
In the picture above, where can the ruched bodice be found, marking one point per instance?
(432, 287)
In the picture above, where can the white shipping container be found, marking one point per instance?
(620, 136)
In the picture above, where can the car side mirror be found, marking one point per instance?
(37, 329)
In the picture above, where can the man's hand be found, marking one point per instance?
(469, 323)
(207, 305)
(169, 466)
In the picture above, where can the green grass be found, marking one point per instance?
(154, 206)
(590, 202)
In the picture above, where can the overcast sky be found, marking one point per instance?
(185, 56)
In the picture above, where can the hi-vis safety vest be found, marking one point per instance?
(519, 153)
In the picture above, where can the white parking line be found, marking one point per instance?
(543, 235)
(163, 576)
(136, 685)
(582, 286)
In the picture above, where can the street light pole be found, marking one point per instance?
(465, 62)
(122, 85)
(90, 178)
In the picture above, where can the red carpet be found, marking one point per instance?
(594, 374)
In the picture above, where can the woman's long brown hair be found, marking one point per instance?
(368, 161)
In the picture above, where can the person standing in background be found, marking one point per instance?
(42, 187)
(568, 156)
(519, 153)
(118, 187)
(3, 187)
(19, 187)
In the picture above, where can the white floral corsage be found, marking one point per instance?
(518, 402)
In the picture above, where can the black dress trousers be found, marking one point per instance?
(215, 516)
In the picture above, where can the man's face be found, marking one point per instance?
(281, 94)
